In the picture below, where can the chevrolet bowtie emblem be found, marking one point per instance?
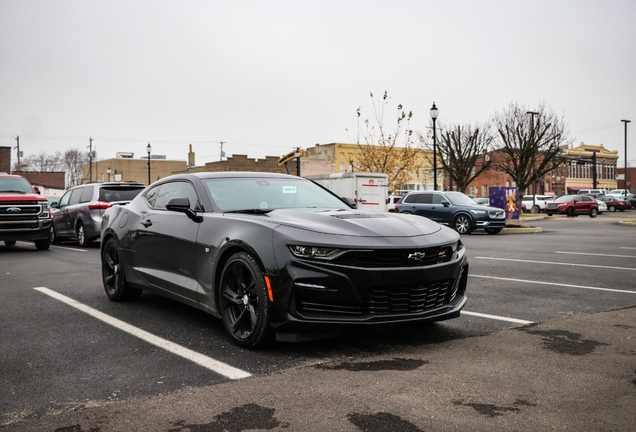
(417, 256)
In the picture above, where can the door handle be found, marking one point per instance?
(146, 223)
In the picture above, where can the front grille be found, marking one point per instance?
(19, 210)
(406, 300)
(496, 214)
(395, 257)
(385, 301)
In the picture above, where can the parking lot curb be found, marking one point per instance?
(521, 230)
(627, 223)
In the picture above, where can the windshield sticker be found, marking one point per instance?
(264, 204)
(289, 189)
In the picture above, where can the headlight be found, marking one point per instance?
(478, 211)
(315, 252)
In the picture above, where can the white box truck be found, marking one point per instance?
(368, 190)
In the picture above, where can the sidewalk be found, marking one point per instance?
(573, 374)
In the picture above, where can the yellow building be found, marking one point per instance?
(337, 158)
(125, 168)
(578, 175)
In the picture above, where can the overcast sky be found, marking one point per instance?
(268, 76)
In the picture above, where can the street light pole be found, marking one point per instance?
(626, 121)
(148, 149)
(434, 113)
(297, 154)
(534, 184)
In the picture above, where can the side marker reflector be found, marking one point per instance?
(269, 289)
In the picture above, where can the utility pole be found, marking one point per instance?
(90, 160)
(222, 154)
(534, 185)
(626, 121)
(17, 138)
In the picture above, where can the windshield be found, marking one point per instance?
(234, 194)
(15, 185)
(458, 198)
(565, 198)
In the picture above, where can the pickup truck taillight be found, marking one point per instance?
(99, 205)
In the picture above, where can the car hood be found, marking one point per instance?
(352, 223)
(12, 196)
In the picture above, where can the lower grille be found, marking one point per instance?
(410, 299)
(383, 301)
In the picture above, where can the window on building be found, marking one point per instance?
(484, 191)
(342, 167)
(473, 190)
(507, 183)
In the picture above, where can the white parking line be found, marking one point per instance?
(593, 254)
(207, 362)
(557, 263)
(555, 284)
(498, 318)
(627, 247)
(60, 247)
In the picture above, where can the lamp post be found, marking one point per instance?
(434, 113)
(148, 149)
(626, 121)
(297, 154)
(108, 171)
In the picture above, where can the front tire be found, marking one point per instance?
(593, 213)
(612, 208)
(463, 224)
(43, 244)
(570, 212)
(244, 302)
(54, 238)
(9, 242)
(114, 276)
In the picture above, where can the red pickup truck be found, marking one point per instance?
(24, 214)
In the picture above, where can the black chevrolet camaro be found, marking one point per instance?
(277, 256)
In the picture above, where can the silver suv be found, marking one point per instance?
(78, 214)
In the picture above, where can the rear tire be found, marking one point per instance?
(612, 208)
(463, 224)
(81, 236)
(113, 275)
(54, 238)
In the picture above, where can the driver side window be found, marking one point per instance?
(177, 189)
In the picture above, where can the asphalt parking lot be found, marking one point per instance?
(546, 342)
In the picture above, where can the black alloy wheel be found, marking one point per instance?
(463, 224)
(113, 275)
(493, 230)
(244, 303)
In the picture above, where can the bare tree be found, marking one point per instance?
(529, 143)
(392, 152)
(461, 146)
(72, 161)
(42, 162)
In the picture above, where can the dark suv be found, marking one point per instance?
(454, 209)
(78, 214)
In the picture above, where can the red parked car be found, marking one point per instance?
(573, 205)
(614, 204)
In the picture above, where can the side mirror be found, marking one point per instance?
(445, 203)
(37, 190)
(55, 205)
(348, 201)
(182, 205)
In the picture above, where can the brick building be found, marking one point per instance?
(49, 183)
(631, 179)
(126, 168)
(243, 163)
(5, 159)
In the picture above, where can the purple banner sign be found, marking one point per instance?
(506, 198)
